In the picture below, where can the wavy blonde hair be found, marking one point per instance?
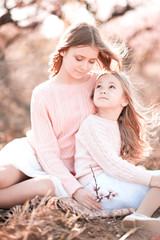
(135, 122)
(82, 34)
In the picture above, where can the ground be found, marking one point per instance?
(39, 220)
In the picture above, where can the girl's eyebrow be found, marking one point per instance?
(78, 55)
(112, 83)
(99, 82)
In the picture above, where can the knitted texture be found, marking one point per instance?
(98, 145)
(57, 111)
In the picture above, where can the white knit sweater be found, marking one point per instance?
(98, 145)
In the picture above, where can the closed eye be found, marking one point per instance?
(78, 59)
(92, 61)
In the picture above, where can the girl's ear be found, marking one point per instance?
(124, 102)
(62, 53)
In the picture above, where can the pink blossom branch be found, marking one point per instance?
(110, 194)
(96, 188)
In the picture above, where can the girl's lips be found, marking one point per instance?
(80, 72)
(103, 98)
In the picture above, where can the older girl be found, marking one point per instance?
(43, 162)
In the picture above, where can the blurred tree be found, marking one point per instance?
(32, 9)
(24, 48)
(52, 7)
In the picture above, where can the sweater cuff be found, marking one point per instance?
(72, 185)
(146, 178)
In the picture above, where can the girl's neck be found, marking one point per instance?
(110, 114)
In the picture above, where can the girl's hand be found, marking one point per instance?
(87, 199)
(155, 181)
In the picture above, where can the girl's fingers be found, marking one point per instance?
(97, 207)
(92, 196)
(94, 205)
(87, 205)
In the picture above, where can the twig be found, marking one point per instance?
(96, 189)
(29, 225)
(126, 235)
(100, 197)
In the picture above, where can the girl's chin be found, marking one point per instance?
(79, 76)
(101, 106)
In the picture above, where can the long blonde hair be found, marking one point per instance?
(82, 34)
(135, 122)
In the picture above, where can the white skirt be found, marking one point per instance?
(20, 154)
(130, 195)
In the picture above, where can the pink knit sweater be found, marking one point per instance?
(57, 111)
(98, 145)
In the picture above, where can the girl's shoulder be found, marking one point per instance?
(45, 88)
(98, 127)
(94, 121)
(88, 122)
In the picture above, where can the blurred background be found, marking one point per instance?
(30, 29)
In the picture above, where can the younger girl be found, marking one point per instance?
(109, 141)
(43, 162)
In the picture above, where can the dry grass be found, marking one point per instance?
(42, 219)
(35, 220)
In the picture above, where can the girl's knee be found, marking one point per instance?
(3, 176)
(45, 186)
(9, 175)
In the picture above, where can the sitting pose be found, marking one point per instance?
(42, 163)
(109, 142)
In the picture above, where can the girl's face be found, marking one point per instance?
(109, 93)
(78, 61)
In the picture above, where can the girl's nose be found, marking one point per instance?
(103, 91)
(84, 66)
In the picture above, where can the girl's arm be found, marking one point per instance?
(49, 154)
(46, 144)
(97, 143)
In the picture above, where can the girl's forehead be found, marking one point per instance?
(85, 50)
(107, 78)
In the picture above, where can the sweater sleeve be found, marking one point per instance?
(47, 146)
(98, 145)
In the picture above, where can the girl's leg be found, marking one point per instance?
(20, 192)
(142, 217)
(10, 175)
(150, 203)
